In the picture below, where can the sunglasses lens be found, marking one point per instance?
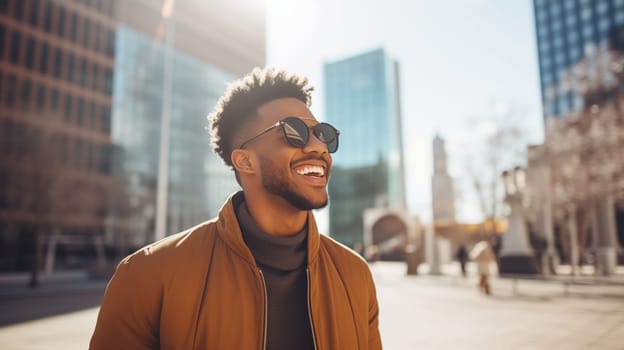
(296, 132)
(328, 135)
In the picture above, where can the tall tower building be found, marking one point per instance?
(567, 31)
(442, 195)
(362, 101)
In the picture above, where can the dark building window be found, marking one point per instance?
(110, 43)
(80, 113)
(60, 22)
(106, 120)
(68, 107)
(108, 88)
(40, 97)
(70, 68)
(105, 161)
(86, 32)
(92, 115)
(18, 10)
(30, 53)
(47, 17)
(14, 53)
(33, 16)
(10, 91)
(4, 7)
(54, 99)
(57, 63)
(73, 27)
(25, 93)
(95, 78)
(2, 40)
(78, 144)
(44, 57)
(82, 72)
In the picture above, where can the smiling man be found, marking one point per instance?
(259, 276)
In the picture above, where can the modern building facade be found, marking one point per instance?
(567, 31)
(81, 93)
(200, 65)
(362, 99)
(56, 74)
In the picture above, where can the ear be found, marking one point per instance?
(242, 161)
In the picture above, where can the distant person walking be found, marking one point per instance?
(462, 257)
(483, 255)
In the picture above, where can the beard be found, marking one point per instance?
(277, 184)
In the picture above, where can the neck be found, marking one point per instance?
(275, 215)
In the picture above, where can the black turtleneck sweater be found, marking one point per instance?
(283, 262)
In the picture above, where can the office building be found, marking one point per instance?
(362, 101)
(568, 31)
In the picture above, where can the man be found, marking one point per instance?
(259, 276)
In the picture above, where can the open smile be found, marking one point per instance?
(314, 173)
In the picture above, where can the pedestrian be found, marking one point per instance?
(483, 255)
(462, 257)
(258, 276)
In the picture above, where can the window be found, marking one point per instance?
(4, 6)
(30, 53)
(33, 16)
(569, 5)
(80, 113)
(92, 115)
(40, 97)
(106, 118)
(602, 7)
(73, 27)
(619, 17)
(57, 64)
(44, 57)
(10, 91)
(25, 93)
(70, 68)
(47, 17)
(95, 78)
(110, 43)
(86, 33)
(78, 153)
(18, 10)
(603, 25)
(588, 31)
(60, 22)
(14, 51)
(572, 37)
(585, 13)
(68, 107)
(82, 72)
(109, 81)
(2, 39)
(54, 99)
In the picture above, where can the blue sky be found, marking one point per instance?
(463, 63)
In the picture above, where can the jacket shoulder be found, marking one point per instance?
(343, 257)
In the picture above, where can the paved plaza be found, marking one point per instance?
(417, 312)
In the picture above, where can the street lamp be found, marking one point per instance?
(516, 256)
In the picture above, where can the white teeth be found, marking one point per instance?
(309, 169)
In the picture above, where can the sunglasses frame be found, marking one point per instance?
(283, 122)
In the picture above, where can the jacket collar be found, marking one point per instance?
(229, 231)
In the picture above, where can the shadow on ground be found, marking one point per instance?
(18, 309)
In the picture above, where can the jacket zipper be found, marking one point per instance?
(266, 307)
(310, 310)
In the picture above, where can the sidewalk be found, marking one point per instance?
(15, 285)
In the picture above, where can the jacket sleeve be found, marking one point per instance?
(374, 338)
(130, 311)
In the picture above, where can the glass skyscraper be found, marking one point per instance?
(567, 31)
(362, 101)
(199, 182)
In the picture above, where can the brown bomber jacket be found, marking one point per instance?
(201, 289)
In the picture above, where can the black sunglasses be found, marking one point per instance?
(297, 133)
